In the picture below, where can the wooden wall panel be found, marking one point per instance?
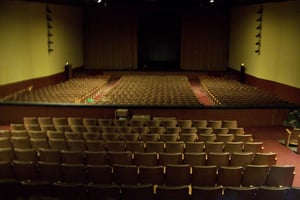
(110, 39)
(204, 40)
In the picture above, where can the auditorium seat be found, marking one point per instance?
(137, 192)
(207, 192)
(274, 193)
(172, 192)
(244, 193)
(194, 158)
(170, 158)
(204, 175)
(255, 175)
(178, 174)
(125, 174)
(26, 154)
(194, 147)
(151, 175)
(218, 158)
(99, 174)
(50, 171)
(281, 176)
(145, 158)
(230, 176)
(241, 158)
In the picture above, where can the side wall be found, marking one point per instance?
(24, 40)
(280, 43)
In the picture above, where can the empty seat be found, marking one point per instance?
(269, 158)
(234, 193)
(19, 133)
(184, 123)
(72, 157)
(25, 170)
(218, 158)
(206, 137)
(218, 131)
(105, 191)
(188, 137)
(73, 135)
(135, 146)
(157, 147)
(7, 154)
(241, 158)
(255, 175)
(281, 176)
(230, 176)
(207, 192)
(96, 158)
(60, 144)
(151, 175)
(172, 192)
(99, 174)
(274, 193)
(243, 137)
(150, 137)
(20, 142)
(253, 147)
(26, 154)
(174, 147)
(115, 145)
(214, 147)
(178, 174)
(214, 123)
(76, 144)
(224, 137)
(194, 147)
(204, 175)
(50, 171)
(194, 158)
(91, 135)
(50, 155)
(145, 158)
(233, 147)
(199, 123)
(95, 145)
(37, 134)
(5, 142)
(89, 122)
(120, 158)
(205, 130)
(74, 173)
(229, 124)
(137, 192)
(125, 174)
(170, 158)
(169, 137)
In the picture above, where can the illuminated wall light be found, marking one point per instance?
(211, 1)
(99, 1)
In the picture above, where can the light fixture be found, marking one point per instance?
(211, 1)
(99, 1)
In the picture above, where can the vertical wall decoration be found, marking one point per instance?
(259, 29)
(49, 29)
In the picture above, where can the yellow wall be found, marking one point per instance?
(279, 60)
(24, 45)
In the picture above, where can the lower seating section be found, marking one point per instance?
(151, 90)
(88, 158)
(224, 91)
(76, 90)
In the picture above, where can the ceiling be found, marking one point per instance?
(227, 3)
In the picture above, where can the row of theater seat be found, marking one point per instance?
(181, 174)
(134, 146)
(149, 159)
(134, 122)
(114, 136)
(61, 191)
